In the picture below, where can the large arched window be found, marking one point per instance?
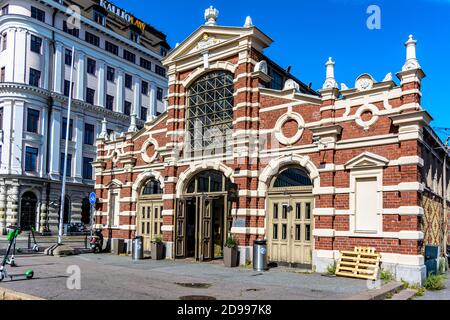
(209, 181)
(292, 177)
(210, 114)
(153, 187)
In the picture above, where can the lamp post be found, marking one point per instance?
(63, 188)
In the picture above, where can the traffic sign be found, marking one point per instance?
(92, 198)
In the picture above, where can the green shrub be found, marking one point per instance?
(231, 243)
(386, 275)
(331, 269)
(157, 240)
(435, 282)
(420, 291)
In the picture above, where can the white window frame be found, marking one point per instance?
(354, 176)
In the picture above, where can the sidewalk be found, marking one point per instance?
(438, 295)
(112, 277)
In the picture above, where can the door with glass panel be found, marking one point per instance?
(150, 222)
(290, 230)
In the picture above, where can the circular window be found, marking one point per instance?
(289, 128)
(366, 116)
(148, 150)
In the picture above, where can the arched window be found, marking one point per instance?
(152, 187)
(209, 182)
(292, 177)
(210, 114)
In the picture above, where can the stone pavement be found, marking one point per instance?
(437, 295)
(112, 277)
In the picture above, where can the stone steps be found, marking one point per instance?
(403, 295)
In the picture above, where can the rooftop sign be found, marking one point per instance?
(122, 14)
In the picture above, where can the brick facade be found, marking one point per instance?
(376, 128)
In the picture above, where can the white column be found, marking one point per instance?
(46, 68)
(9, 76)
(12, 204)
(153, 101)
(20, 53)
(2, 206)
(43, 148)
(7, 137)
(17, 143)
(81, 74)
(79, 124)
(101, 84)
(58, 69)
(55, 142)
(137, 97)
(120, 90)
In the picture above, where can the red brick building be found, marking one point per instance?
(246, 149)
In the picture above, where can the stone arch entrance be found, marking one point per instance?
(203, 217)
(28, 211)
(290, 224)
(149, 219)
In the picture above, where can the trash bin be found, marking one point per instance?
(260, 255)
(138, 248)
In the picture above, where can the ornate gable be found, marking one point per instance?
(366, 160)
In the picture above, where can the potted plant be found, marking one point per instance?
(230, 253)
(158, 248)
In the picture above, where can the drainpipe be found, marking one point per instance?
(445, 196)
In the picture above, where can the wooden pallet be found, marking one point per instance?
(362, 263)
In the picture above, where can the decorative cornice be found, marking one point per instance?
(13, 87)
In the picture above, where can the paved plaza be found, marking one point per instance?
(117, 277)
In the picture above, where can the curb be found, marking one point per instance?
(6, 294)
(379, 294)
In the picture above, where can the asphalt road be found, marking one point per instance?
(108, 277)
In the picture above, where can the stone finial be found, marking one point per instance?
(261, 66)
(411, 59)
(291, 85)
(133, 126)
(344, 86)
(330, 81)
(248, 22)
(104, 133)
(388, 77)
(211, 16)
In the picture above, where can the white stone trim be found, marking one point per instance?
(375, 116)
(143, 150)
(220, 65)
(142, 178)
(167, 228)
(168, 213)
(195, 168)
(329, 233)
(274, 166)
(290, 115)
(248, 212)
(244, 230)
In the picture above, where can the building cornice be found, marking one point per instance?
(63, 9)
(17, 88)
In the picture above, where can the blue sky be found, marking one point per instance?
(306, 33)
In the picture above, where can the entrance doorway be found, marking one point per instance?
(28, 209)
(290, 219)
(204, 218)
(150, 220)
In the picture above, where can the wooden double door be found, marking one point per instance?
(290, 228)
(202, 226)
(150, 221)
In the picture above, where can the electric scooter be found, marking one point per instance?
(35, 247)
(12, 236)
